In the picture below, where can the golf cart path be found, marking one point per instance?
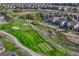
(7, 35)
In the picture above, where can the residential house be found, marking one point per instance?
(2, 19)
(63, 23)
(2, 49)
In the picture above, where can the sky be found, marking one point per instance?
(39, 1)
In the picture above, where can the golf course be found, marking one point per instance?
(28, 37)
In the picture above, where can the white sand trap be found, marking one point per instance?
(25, 24)
(15, 27)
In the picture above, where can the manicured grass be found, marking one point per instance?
(60, 37)
(9, 46)
(18, 22)
(30, 38)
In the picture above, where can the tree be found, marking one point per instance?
(68, 9)
(23, 16)
(74, 9)
(17, 9)
(69, 18)
(8, 16)
(30, 16)
(37, 16)
(41, 15)
(1, 8)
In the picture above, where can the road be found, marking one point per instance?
(14, 40)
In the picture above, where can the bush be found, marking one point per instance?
(69, 18)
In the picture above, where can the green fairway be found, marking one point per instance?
(30, 38)
(9, 46)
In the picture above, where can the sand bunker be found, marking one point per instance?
(25, 24)
(15, 27)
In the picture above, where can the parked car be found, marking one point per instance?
(76, 28)
(55, 21)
